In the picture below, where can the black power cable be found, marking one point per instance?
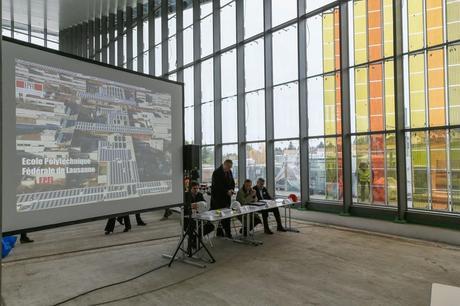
(110, 285)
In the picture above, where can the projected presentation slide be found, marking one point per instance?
(81, 140)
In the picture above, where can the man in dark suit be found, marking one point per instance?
(222, 189)
(192, 197)
(262, 194)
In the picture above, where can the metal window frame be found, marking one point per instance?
(140, 36)
(119, 38)
(129, 37)
(111, 42)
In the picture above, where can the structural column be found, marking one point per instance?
(269, 126)
(129, 37)
(345, 96)
(91, 39)
(197, 71)
(399, 111)
(97, 39)
(164, 37)
(104, 40)
(240, 91)
(140, 37)
(151, 23)
(217, 85)
(303, 103)
(119, 38)
(111, 31)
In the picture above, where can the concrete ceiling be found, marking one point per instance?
(60, 13)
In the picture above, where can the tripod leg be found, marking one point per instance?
(186, 234)
(200, 243)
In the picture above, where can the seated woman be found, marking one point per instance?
(246, 195)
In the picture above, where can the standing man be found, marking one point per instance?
(222, 189)
(262, 194)
(364, 179)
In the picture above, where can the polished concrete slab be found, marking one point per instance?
(321, 265)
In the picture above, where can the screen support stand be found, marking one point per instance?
(188, 254)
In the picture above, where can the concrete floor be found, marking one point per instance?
(321, 265)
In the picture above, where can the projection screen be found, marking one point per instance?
(83, 140)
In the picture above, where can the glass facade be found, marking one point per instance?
(295, 100)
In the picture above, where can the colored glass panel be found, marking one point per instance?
(337, 38)
(455, 168)
(360, 31)
(390, 165)
(453, 20)
(361, 100)
(389, 96)
(453, 59)
(417, 90)
(436, 94)
(419, 171)
(378, 168)
(388, 27)
(333, 183)
(438, 170)
(329, 105)
(434, 22)
(328, 42)
(376, 97)
(415, 24)
(374, 28)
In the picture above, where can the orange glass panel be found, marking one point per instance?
(374, 29)
(376, 97)
(436, 98)
(434, 22)
(378, 168)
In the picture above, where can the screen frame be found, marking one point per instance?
(105, 65)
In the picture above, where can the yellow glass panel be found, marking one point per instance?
(388, 27)
(436, 99)
(453, 20)
(434, 22)
(329, 105)
(331, 169)
(455, 168)
(419, 170)
(361, 100)
(389, 96)
(438, 170)
(360, 31)
(328, 42)
(390, 163)
(453, 59)
(415, 24)
(417, 90)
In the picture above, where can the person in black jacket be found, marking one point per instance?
(222, 189)
(191, 198)
(262, 194)
(110, 226)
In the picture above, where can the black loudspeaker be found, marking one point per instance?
(191, 157)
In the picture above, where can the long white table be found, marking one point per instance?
(247, 212)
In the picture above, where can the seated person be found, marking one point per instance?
(262, 194)
(246, 195)
(192, 197)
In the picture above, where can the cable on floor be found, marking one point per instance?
(110, 285)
